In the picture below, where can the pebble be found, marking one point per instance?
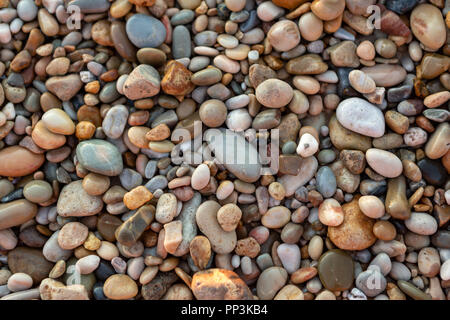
(290, 257)
(222, 242)
(421, 223)
(120, 287)
(354, 113)
(145, 31)
(335, 270)
(384, 163)
(219, 284)
(19, 282)
(270, 282)
(428, 25)
(75, 202)
(242, 168)
(331, 213)
(142, 82)
(355, 233)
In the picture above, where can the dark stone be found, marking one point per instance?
(433, 171)
(343, 83)
(399, 94)
(97, 291)
(104, 270)
(107, 225)
(438, 115)
(156, 288)
(16, 194)
(29, 261)
(401, 6)
(32, 238)
(131, 230)
(336, 270)
(441, 239)
(222, 11)
(15, 80)
(251, 22)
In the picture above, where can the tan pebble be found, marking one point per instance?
(284, 35)
(328, 9)
(306, 84)
(384, 230)
(289, 292)
(120, 287)
(371, 206)
(72, 235)
(311, 27)
(173, 236)
(45, 138)
(95, 184)
(200, 251)
(366, 50)
(436, 99)
(361, 82)
(137, 197)
(158, 133)
(277, 191)
(229, 216)
(276, 217)
(107, 251)
(92, 243)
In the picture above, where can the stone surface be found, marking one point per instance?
(355, 233)
(219, 284)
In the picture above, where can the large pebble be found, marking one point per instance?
(73, 201)
(145, 31)
(361, 116)
(219, 284)
(421, 223)
(100, 156)
(222, 242)
(384, 162)
(428, 25)
(355, 233)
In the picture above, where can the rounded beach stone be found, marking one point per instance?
(213, 113)
(361, 116)
(371, 206)
(284, 35)
(428, 25)
(222, 242)
(100, 156)
(19, 282)
(274, 93)
(57, 121)
(384, 162)
(355, 233)
(229, 216)
(16, 212)
(421, 223)
(331, 213)
(270, 281)
(145, 31)
(200, 177)
(74, 201)
(38, 191)
(120, 287)
(219, 284)
(335, 270)
(72, 235)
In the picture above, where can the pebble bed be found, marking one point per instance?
(94, 205)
